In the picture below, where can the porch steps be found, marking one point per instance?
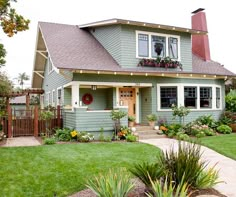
(147, 132)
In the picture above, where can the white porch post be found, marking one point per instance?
(75, 95)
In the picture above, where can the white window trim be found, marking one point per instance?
(59, 88)
(50, 62)
(48, 98)
(150, 42)
(180, 95)
(53, 96)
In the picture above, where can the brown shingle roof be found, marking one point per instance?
(209, 67)
(73, 48)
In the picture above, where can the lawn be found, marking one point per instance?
(224, 144)
(62, 169)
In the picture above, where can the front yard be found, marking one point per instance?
(224, 144)
(62, 169)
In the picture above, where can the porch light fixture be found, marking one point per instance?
(131, 74)
(93, 87)
(114, 73)
(146, 74)
(215, 76)
(162, 74)
(204, 75)
(98, 72)
(80, 71)
(190, 75)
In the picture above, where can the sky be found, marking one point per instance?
(220, 20)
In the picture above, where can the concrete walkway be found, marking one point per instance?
(22, 141)
(226, 166)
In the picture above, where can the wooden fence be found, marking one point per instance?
(29, 122)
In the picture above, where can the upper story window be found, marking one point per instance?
(143, 45)
(153, 45)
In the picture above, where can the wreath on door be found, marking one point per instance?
(87, 99)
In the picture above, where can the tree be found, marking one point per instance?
(11, 23)
(21, 78)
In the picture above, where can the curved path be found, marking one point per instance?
(226, 166)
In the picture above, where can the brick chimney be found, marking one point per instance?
(200, 43)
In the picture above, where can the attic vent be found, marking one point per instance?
(198, 10)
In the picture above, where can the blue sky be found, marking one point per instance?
(219, 14)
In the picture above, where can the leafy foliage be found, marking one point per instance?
(118, 114)
(49, 141)
(84, 136)
(181, 112)
(230, 101)
(21, 78)
(147, 172)
(207, 179)
(63, 134)
(5, 84)
(152, 117)
(115, 183)
(11, 23)
(166, 189)
(225, 129)
(131, 138)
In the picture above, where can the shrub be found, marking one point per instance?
(114, 183)
(147, 172)
(182, 136)
(131, 118)
(84, 136)
(166, 189)
(206, 120)
(230, 101)
(207, 179)
(49, 141)
(184, 165)
(225, 129)
(63, 134)
(131, 138)
(101, 136)
(181, 112)
(200, 134)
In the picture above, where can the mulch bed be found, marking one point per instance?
(139, 191)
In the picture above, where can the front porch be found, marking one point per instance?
(88, 105)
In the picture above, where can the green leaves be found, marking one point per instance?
(116, 183)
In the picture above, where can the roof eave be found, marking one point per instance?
(141, 24)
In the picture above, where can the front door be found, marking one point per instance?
(127, 98)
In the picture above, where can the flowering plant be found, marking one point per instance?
(163, 128)
(124, 131)
(73, 133)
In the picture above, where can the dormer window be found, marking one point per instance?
(153, 45)
(143, 45)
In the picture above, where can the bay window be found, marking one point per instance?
(193, 96)
(190, 97)
(205, 97)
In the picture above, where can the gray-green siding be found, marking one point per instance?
(52, 81)
(120, 42)
(151, 93)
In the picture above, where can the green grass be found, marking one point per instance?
(63, 169)
(224, 144)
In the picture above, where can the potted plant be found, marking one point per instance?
(131, 120)
(152, 118)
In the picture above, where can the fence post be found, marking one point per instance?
(58, 116)
(36, 121)
(9, 112)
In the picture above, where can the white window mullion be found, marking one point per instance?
(181, 95)
(167, 46)
(149, 46)
(213, 97)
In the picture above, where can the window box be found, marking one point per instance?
(166, 62)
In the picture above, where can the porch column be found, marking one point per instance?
(75, 95)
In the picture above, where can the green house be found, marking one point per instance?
(137, 67)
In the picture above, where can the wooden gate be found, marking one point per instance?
(22, 122)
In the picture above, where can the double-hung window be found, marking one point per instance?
(153, 45)
(190, 97)
(205, 97)
(143, 45)
(218, 101)
(168, 97)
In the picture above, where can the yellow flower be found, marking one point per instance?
(73, 133)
